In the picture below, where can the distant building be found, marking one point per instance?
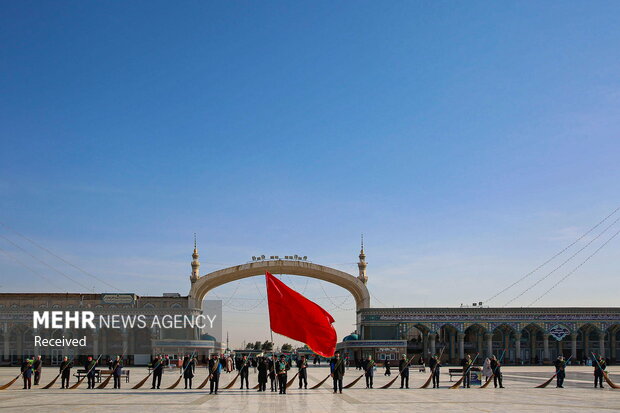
(16, 332)
(137, 345)
(529, 335)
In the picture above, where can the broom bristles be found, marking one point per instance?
(175, 384)
(545, 384)
(385, 386)
(290, 382)
(204, 383)
(348, 386)
(458, 383)
(6, 386)
(609, 382)
(427, 382)
(319, 384)
(486, 383)
(105, 382)
(141, 383)
(51, 383)
(77, 384)
(232, 383)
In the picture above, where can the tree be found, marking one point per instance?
(267, 346)
(287, 348)
(249, 346)
(257, 345)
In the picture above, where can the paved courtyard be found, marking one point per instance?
(518, 396)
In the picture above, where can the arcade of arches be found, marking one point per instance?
(528, 335)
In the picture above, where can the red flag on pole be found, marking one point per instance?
(293, 315)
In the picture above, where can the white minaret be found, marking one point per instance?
(362, 264)
(195, 264)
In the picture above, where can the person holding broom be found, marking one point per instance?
(27, 372)
(65, 372)
(599, 371)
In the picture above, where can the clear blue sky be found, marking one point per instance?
(469, 141)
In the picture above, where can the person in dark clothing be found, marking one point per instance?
(496, 369)
(158, 370)
(215, 368)
(599, 371)
(36, 367)
(26, 370)
(302, 365)
(369, 371)
(117, 370)
(560, 371)
(421, 363)
(272, 373)
(91, 371)
(263, 368)
(435, 367)
(387, 368)
(403, 368)
(244, 371)
(337, 372)
(65, 372)
(466, 364)
(282, 368)
(189, 366)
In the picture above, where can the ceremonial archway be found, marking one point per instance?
(208, 282)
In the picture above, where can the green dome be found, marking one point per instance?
(207, 337)
(351, 337)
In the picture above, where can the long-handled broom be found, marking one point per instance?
(204, 383)
(107, 380)
(176, 383)
(458, 383)
(291, 381)
(56, 378)
(428, 381)
(9, 384)
(232, 383)
(141, 383)
(354, 382)
(605, 376)
(387, 386)
(545, 384)
(486, 383)
(319, 384)
(92, 366)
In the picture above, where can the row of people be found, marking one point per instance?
(276, 369)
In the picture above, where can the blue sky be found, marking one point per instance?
(468, 141)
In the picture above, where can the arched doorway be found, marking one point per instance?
(474, 339)
(503, 343)
(532, 344)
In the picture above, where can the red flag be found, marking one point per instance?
(293, 315)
